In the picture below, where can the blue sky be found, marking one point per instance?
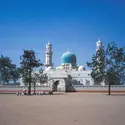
(73, 24)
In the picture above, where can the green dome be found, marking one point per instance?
(68, 57)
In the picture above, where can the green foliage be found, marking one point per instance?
(28, 64)
(116, 60)
(15, 73)
(108, 65)
(39, 77)
(98, 66)
(8, 71)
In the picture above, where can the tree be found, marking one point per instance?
(116, 61)
(39, 77)
(115, 57)
(108, 65)
(42, 77)
(34, 80)
(28, 64)
(15, 73)
(98, 66)
(5, 64)
(8, 70)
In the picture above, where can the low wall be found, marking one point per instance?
(95, 88)
(15, 89)
(69, 88)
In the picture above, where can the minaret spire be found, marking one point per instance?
(48, 55)
(98, 44)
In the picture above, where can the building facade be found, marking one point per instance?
(68, 68)
(68, 73)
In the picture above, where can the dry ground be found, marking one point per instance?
(65, 109)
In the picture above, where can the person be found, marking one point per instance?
(24, 91)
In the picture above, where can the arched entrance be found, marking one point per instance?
(55, 85)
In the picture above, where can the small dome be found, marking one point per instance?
(99, 41)
(68, 57)
(49, 44)
(81, 68)
(49, 68)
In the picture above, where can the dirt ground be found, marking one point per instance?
(62, 109)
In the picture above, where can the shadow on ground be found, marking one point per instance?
(116, 95)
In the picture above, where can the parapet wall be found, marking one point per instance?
(95, 88)
(69, 88)
(17, 88)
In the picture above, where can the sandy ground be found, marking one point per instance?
(63, 109)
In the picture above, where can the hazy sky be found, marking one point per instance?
(73, 24)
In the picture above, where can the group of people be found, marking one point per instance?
(24, 92)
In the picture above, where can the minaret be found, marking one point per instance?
(98, 45)
(48, 55)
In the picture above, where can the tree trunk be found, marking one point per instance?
(109, 89)
(29, 89)
(34, 88)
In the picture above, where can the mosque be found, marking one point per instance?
(68, 68)
(68, 73)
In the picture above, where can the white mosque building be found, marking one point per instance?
(68, 67)
(68, 72)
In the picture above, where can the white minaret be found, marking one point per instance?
(48, 55)
(98, 45)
